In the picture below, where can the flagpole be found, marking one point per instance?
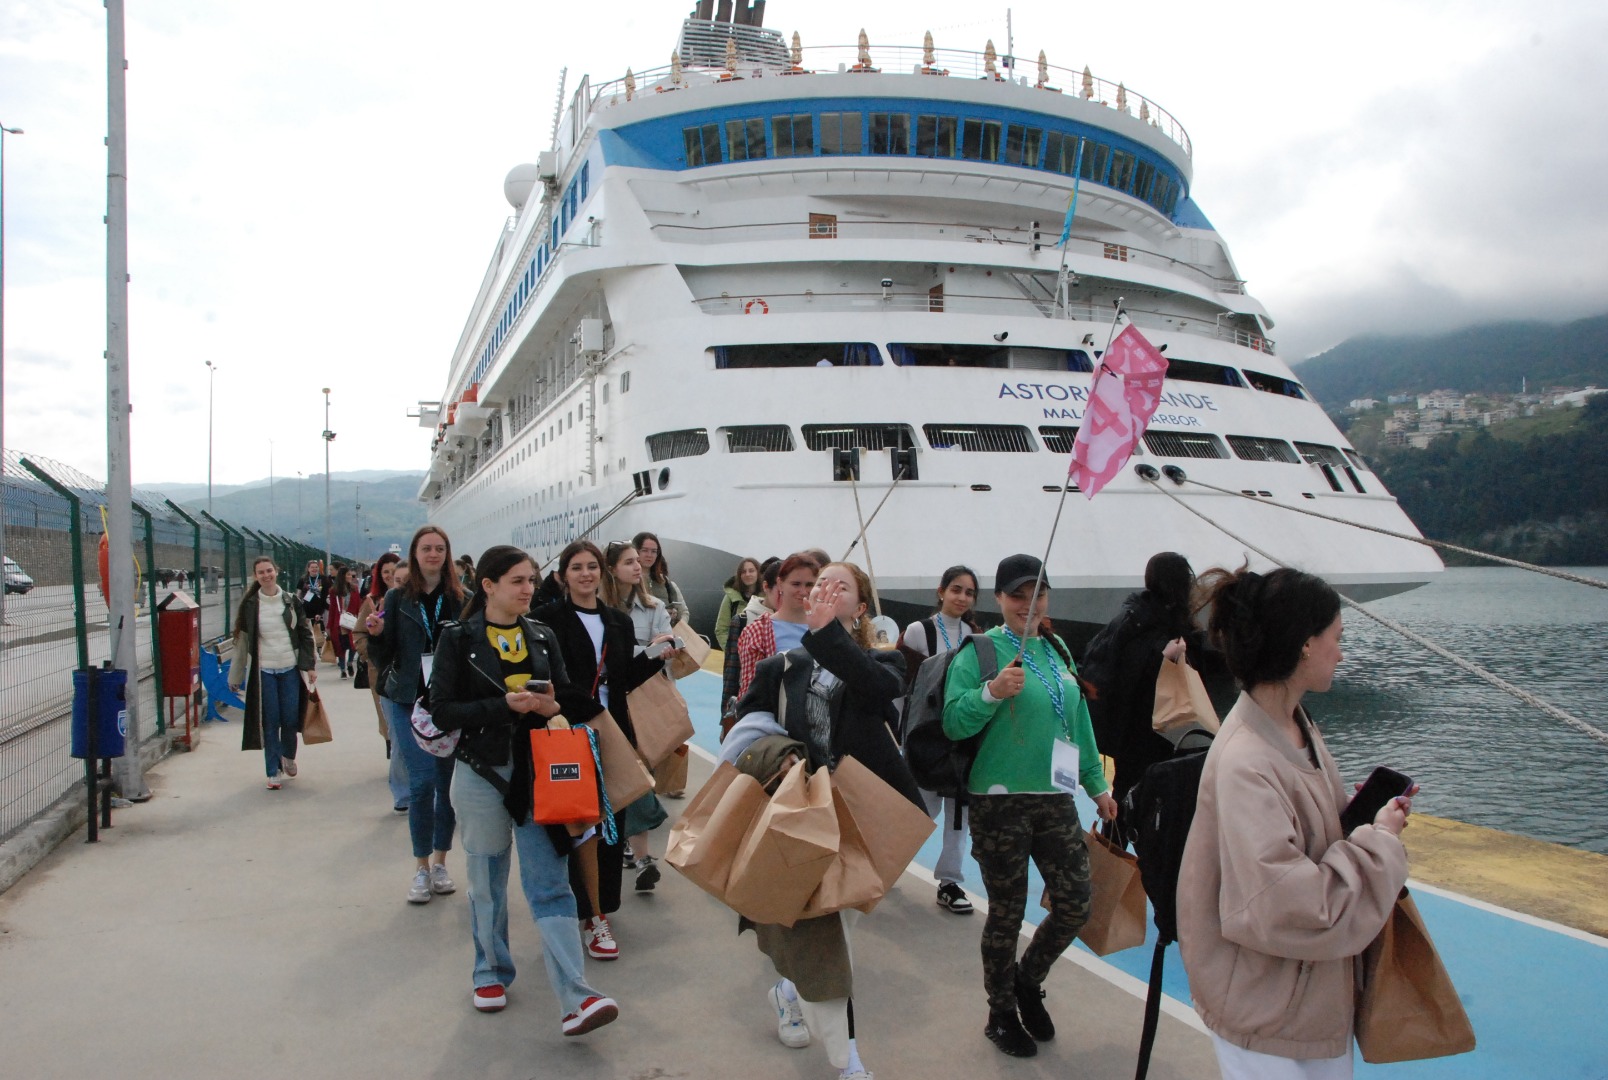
(1038, 582)
(1061, 297)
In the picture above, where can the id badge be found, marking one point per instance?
(426, 662)
(1064, 767)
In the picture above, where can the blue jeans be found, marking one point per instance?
(279, 703)
(430, 816)
(542, 874)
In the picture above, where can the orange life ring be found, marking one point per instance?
(764, 308)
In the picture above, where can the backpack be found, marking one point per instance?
(939, 763)
(1162, 807)
(1097, 673)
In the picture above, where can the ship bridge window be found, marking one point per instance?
(703, 144)
(940, 354)
(1095, 158)
(793, 136)
(792, 354)
(1275, 384)
(1258, 448)
(890, 133)
(1181, 444)
(746, 138)
(979, 139)
(1319, 454)
(935, 136)
(1144, 174)
(1358, 460)
(980, 438)
(864, 436)
(1202, 372)
(758, 439)
(677, 444)
(1022, 145)
(840, 133)
(1121, 170)
(1058, 439)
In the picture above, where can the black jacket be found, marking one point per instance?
(396, 650)
(861, 703)
(624, 668)
(1144, 629)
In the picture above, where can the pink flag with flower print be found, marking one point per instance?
(1126, 391)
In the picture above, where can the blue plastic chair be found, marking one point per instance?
(215, 680)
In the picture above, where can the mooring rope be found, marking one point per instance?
(1442, 544)
(1467, 665)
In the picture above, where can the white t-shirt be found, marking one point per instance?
(594, 629)
(915, 635)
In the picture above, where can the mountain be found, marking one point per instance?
(1492, 359)
(385, 508)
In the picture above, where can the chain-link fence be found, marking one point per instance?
(54, 615)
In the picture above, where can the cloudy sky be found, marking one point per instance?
(315, 187)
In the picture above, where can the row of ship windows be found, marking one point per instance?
(967, 138)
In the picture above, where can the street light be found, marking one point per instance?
(4, 131)
(357, 517)
(211, 371)
(329, 437)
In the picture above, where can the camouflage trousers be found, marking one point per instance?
(1007, 831)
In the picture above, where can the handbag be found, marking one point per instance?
(879, 832)
(360, 677)
(431, 739)
(564, 780)
(1407, 1007)
(315, 721)
(694, 651)
(348, 621)
(661, 720)
(1117, 904)
(787, 850)
(1181, 700)
(625, 778)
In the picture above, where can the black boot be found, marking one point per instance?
(1030, 1006)
(1005, 1031)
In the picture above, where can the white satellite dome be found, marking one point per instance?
(517, 185)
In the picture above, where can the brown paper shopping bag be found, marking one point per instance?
(1117, 905)
(315, 721)
(787, 851)
(1181, 699)
(625, 778)
(880, 831)
(704, 843)
(1407, 1007)
(694, 651)
(659, 715)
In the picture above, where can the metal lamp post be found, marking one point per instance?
(329, 437)
(4, 131)
(211, 371)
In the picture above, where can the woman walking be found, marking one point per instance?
(839, 693)
(273, 656)
(497, 677)
(384, 577)
(657, 569)
(345, 599)
(403, 634)
(939, 632)
(599, 647)
(739, 589)
(1028, 714)
(1275, 902)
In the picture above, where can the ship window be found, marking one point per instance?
(625, 381)
(1358, 460)
(1058, 440)
(1060, 153)
(758, 439)
(1275, 384)
(1121, 170)
(865, 436)
(1164, 194)
(1182, 444)
(890, 133)
(797, 354)
(840, 133)
(1095, 157)
(935, 136)
(586, 169)
(979, 140)
(1201, 372)
(980, 438)
(1143, 174)
(703, 145)
(1258, 448)
(746, 138)
(675, 444)
(1319, 454)
(1022, 145)
(793, 136)
(939, 354)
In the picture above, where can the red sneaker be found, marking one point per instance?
(491, 998)
(599, 937)
(593, 1014)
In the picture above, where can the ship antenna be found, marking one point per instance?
(558, 105)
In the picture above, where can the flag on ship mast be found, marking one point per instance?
(1126, 391)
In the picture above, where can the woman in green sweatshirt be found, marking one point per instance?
(1037, 745)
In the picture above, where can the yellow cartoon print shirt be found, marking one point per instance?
(514, 654)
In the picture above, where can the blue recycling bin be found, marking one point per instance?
(112, 717)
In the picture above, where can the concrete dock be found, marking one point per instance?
(224, 930)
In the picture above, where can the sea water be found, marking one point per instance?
(1481, 755)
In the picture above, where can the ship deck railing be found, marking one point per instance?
(1022, 236)
(901, 59)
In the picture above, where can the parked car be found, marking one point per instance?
(17, 580)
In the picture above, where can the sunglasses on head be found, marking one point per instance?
(616, 545)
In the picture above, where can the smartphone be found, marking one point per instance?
(539, 686)
(655, 652)
(1382, 786)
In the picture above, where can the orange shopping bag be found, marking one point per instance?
(564, 782)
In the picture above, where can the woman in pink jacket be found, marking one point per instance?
(1274, 902)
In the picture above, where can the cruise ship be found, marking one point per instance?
(773, 296)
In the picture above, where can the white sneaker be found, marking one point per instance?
(420, 892)
(440, 883)
(599, 937)
(790, 1027)
(288, 764)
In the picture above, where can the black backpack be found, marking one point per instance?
(1161, 808)
(939, 763)
(1097, 674)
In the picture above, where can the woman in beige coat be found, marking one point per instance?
(1274, 902)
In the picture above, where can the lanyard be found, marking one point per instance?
(938, 621)
(429, 626)
(598, 677)
(1055, 687)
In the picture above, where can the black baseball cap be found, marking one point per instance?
(1018, 570)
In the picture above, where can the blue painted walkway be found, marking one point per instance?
(1534, 994)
